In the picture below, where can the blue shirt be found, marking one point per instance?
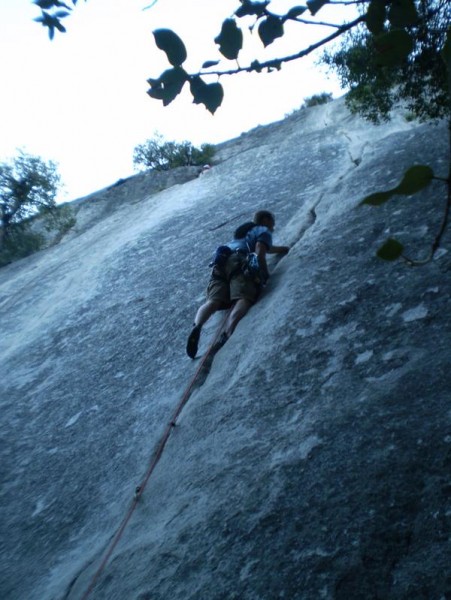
(259, 233)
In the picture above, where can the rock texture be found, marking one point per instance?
(314, 461)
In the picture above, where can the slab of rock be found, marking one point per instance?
(314, 460)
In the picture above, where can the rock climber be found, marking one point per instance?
(234, 281)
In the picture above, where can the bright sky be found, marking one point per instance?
(81, 100)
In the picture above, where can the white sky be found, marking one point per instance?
(81, 99)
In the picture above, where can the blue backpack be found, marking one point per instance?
(220, 257)
(222, 253)
(251, 266)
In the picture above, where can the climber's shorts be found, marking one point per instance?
(229, 284)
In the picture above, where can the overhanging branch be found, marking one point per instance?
(276, 62)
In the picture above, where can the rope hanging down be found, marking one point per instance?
(153, 463)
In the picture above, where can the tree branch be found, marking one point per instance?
(322, 23)
(347, 2)
(276, 62)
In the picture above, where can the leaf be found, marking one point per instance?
(270, 29)
(173, 81)
(210, 95)
(60, 14)
(251, 8)
(168, 86)
(156, 92)
(377, 199)
(169, 42)
(230, 40)
(415, 179)
(315, 5)
(295, 11)
(375, 16)
(214, 96)
(59, 26)
(50, 22)
(197, 87)
(402, 13)
(393, 47)
(390, 250)
(210, 63)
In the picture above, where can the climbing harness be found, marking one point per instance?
(155, 459)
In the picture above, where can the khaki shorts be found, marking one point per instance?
(225, 287)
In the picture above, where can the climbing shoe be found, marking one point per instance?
(193, 341)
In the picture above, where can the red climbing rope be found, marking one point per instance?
(153, 463)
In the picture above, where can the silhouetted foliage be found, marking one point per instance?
(161, 155)
(28, 187)
(391, 50)
(317, 99)
(419, 79)
(52, 11)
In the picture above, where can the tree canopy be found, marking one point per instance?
(28, 185)
(28, 188)
(162, 155)
(419, 79)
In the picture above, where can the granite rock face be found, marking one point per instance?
(313, 461)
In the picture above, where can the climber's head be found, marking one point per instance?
(265, 218)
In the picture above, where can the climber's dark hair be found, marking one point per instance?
(262, 215)
(259, 217)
